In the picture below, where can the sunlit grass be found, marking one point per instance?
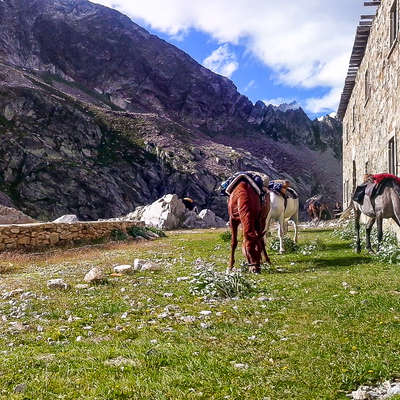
(315, 327)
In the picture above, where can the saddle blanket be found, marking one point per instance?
(373, 189)
(277, 188)
(254, 180)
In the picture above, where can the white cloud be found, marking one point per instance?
(326, 103)
(222, 61)
(307, 43)
(249, 86)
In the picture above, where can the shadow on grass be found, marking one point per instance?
(313, 263)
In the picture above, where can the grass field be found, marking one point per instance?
(316, 326)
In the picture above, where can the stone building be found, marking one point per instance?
(370, 103)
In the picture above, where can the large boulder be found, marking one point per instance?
(9, 215)
(165, 213)
(169, 212)
(210, 220)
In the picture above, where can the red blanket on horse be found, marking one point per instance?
(378, 178)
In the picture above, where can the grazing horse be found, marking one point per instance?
(377, 206)
(283, 214)
(316, 209)
(245, 207)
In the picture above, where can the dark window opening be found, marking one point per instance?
(392, 159)
(367, 85)
(394, 27)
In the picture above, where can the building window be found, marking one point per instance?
(366, 167)
(354, 116)
(392, 159)
(394, 24)
(367, 84)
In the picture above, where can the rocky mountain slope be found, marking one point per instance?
(98, 116)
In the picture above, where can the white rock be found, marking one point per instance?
(168, 295)
(94, 275)
(57, 284)
(81, 286)
(123, 269)
(149, 266)
(137, 264)
(188, 318)
(241, 366)
(361, 394)
(165, 213)
(67, 219)
(205, 312)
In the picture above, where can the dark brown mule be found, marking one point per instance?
(246, 208)
(316, 210)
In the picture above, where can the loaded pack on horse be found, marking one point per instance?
(284, 208)
(248, 205)
(378, 197)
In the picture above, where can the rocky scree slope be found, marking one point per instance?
(98, 116)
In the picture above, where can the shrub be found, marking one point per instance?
(210, 283)
(136, 231)
(289, 245)
(118, 235)
(159, 232)
(226, 236)
(345, 232)
(310, 247)
(388, 250)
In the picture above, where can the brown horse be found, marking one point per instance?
(246, 208)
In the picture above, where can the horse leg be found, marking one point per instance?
(234, 231)
(379, 224)
(357, 214)
(368, 234)
(295, 220)
(281, 233)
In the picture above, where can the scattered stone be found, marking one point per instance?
(79, 338)
(188, 318)
(123, 269)
(120, 361)
(168, 295)
(57, 284)
(20, 388)
(149, 266)
(241, 365)
(94, 275)
(205, 312)
(384, 391)
(81, 286)
(265, 298)
(12, 293)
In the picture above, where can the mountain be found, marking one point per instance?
(98, 116)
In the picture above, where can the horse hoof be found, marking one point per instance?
(255, 269)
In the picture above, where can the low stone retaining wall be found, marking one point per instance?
(37, 236)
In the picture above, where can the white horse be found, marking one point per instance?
(283, 215)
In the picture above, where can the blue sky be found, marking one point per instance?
(273, 51)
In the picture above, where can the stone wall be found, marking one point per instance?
(372, 121)
(37, 236)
